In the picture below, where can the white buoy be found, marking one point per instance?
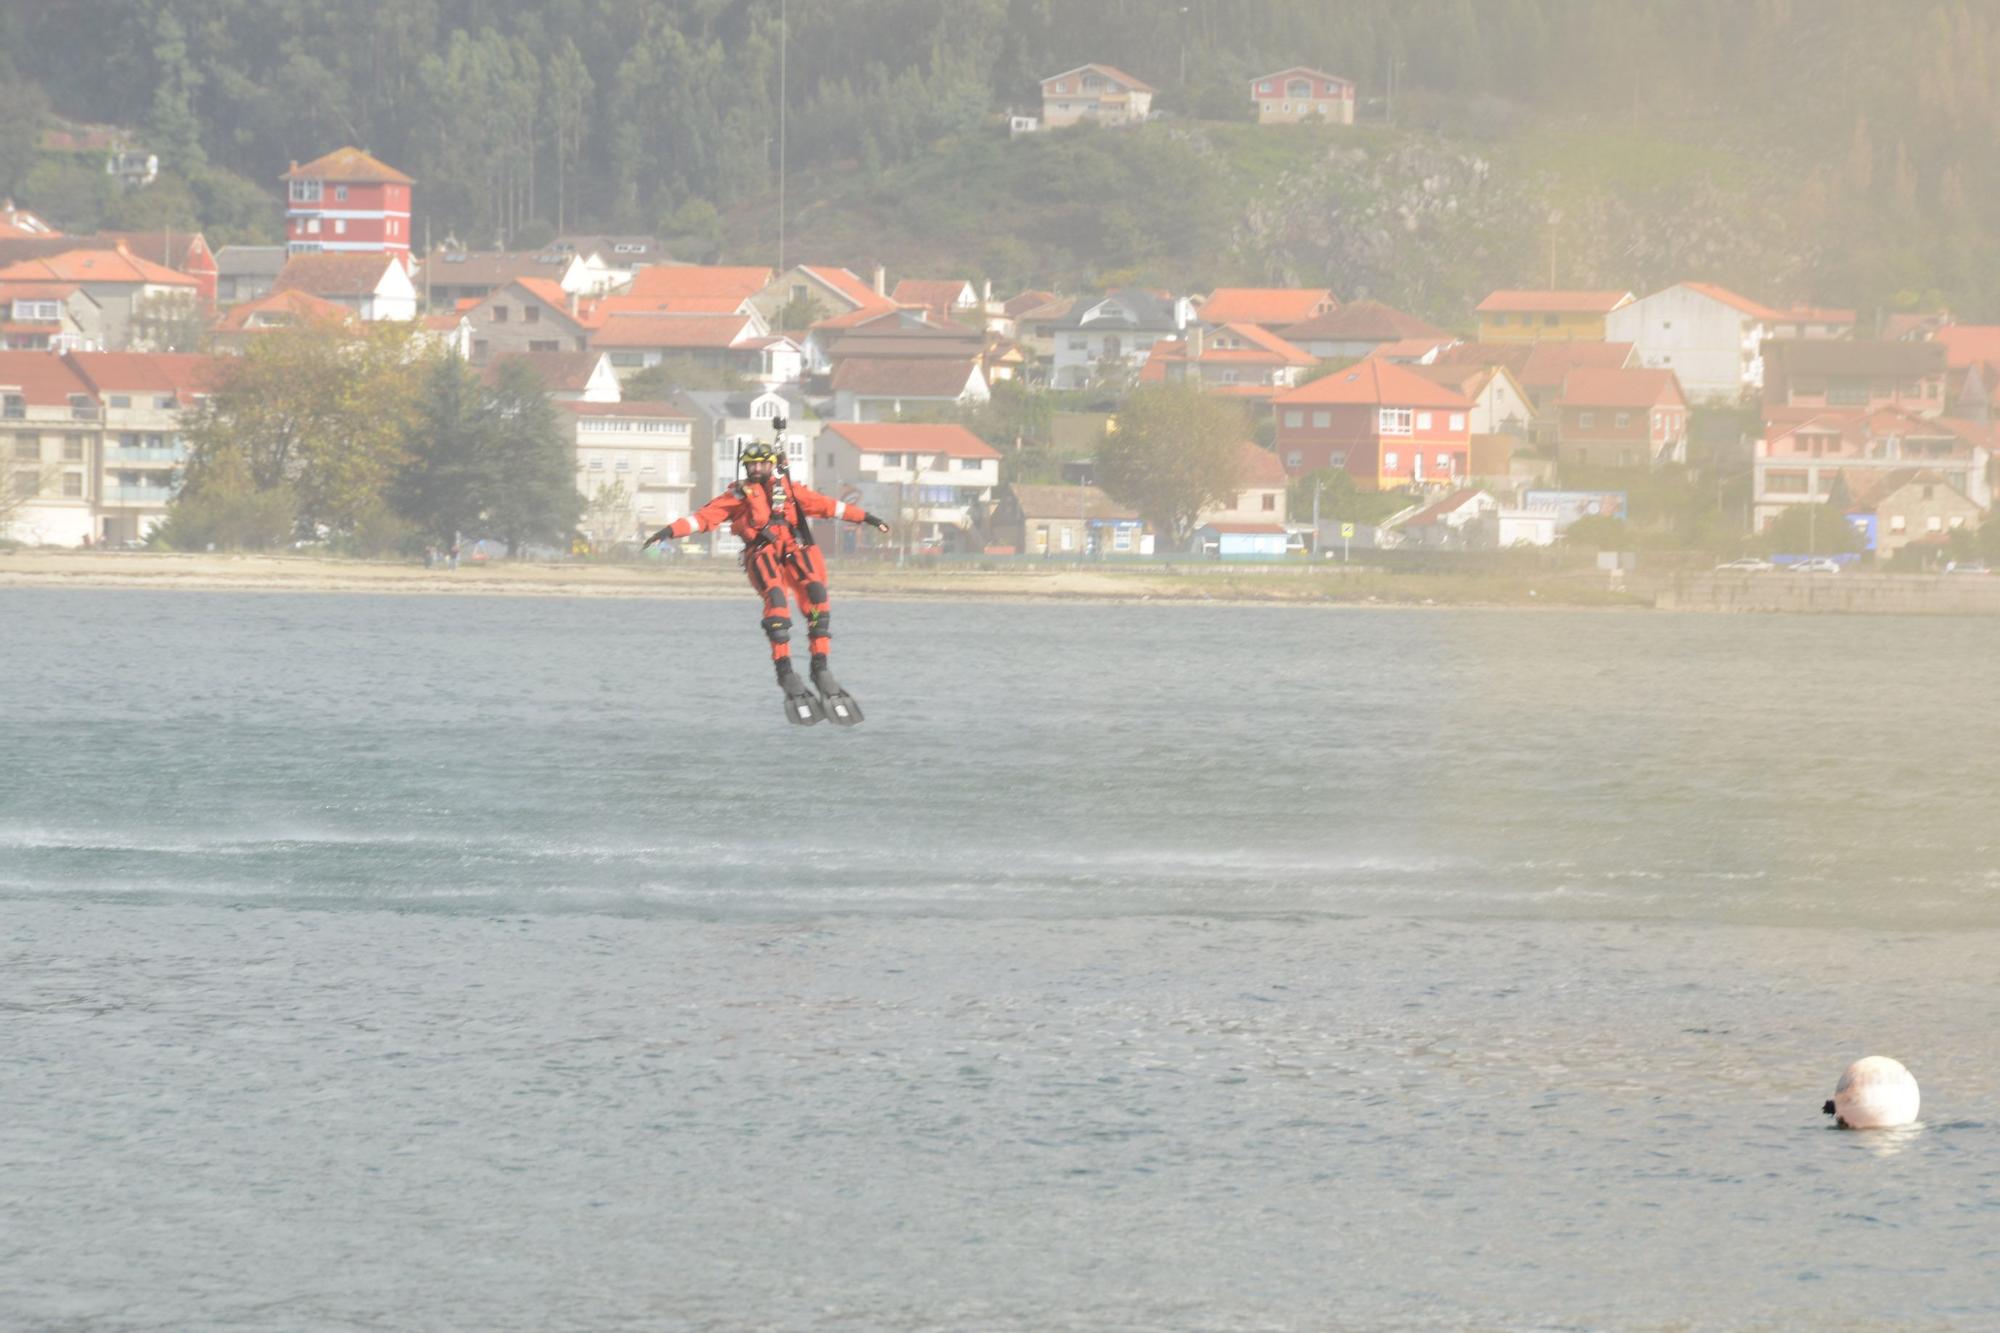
(1875, 1093)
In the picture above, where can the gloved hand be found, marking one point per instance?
(879, 524)
(659, 536)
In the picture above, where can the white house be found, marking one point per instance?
(1712, 337)
(935, 479)
(1115, 332)
(634, 466)
(1095, 92)
(374, 285)
(872, 389)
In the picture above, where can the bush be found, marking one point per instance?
(229, 519)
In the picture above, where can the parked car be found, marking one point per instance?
(1749, 564)
(1817, 565)
(1968, 567)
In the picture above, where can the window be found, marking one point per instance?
(1263, 86)
(1295, 460)
(163, 401)
(312, 226)
(624, 462)
(28, 447)
(545, 345)
(340, 226)
(81, 408)
(1585, 420)
(340, 194)
(1786, 483)
(1394, 421)
(1390, 461)
(1444, 463)
(968, 465)
(121, 400)
(1499, 320)
(596, 462)
(1848, 393)
(73, 485)
(1121, 538)
(1623, 420)
(13, 405)
(531, 314)
(1079, 344)
(1300, 89)
(305, 192)
(1898, 523)
(1322, 420)
(499, 314)
(1934, 524)
(1957, 521)
(1423, 421)
(1458, 421)
(72, 448)
(1294, 417)
(1549, 320)
(1068, 538)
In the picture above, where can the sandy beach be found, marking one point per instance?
(42, 568)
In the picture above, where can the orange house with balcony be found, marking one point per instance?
(1385, 424)
(347, 201)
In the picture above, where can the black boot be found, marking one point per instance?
(801, 704)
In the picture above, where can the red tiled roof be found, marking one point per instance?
(1551, 362)
(1512, 356)
(1362, 321)
(627, 304)
(334, 274)
(547, 290)
(1375, 382)
(1969, 344)
(929, 377)
(1022, 303)
(1413, 349)
(301, 306)
(42, 378)
(1451, 504)
(1258, 466)
(1510, 302)
(1621, 388)
(893, 437)
(13, 290)
(849, 284)
(569, 372)
(1754, 309)
(938, 296)
(670, 330)
(1139, 85)
(95, 266)
(1266, 305)
(348, 164)
(742, 282)
(183, 374)
(1307, 70)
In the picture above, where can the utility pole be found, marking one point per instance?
(784, 41)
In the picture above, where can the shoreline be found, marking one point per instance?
(704, 579)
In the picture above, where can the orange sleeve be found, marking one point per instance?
(823, 506)
(715, 514)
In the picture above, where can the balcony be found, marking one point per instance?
(120, 453)
(138, 495)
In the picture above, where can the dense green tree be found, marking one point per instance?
(1175, 452)
(534, 497)
(447, 482)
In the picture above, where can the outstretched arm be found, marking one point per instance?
(705, 519)
(823, 506)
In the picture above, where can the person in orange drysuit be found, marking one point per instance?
(767, 509)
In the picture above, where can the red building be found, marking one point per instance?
(1386, 424)
(347, 201)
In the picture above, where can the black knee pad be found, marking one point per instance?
(774, 598)
(816, 591)
(821, 623)
(778, 629)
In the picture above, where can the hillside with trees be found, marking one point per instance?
(1626, 140)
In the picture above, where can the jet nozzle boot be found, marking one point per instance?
(837, 703)
(802, 706)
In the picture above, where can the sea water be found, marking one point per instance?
(449, 963)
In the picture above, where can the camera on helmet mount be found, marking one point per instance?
(779, 423)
